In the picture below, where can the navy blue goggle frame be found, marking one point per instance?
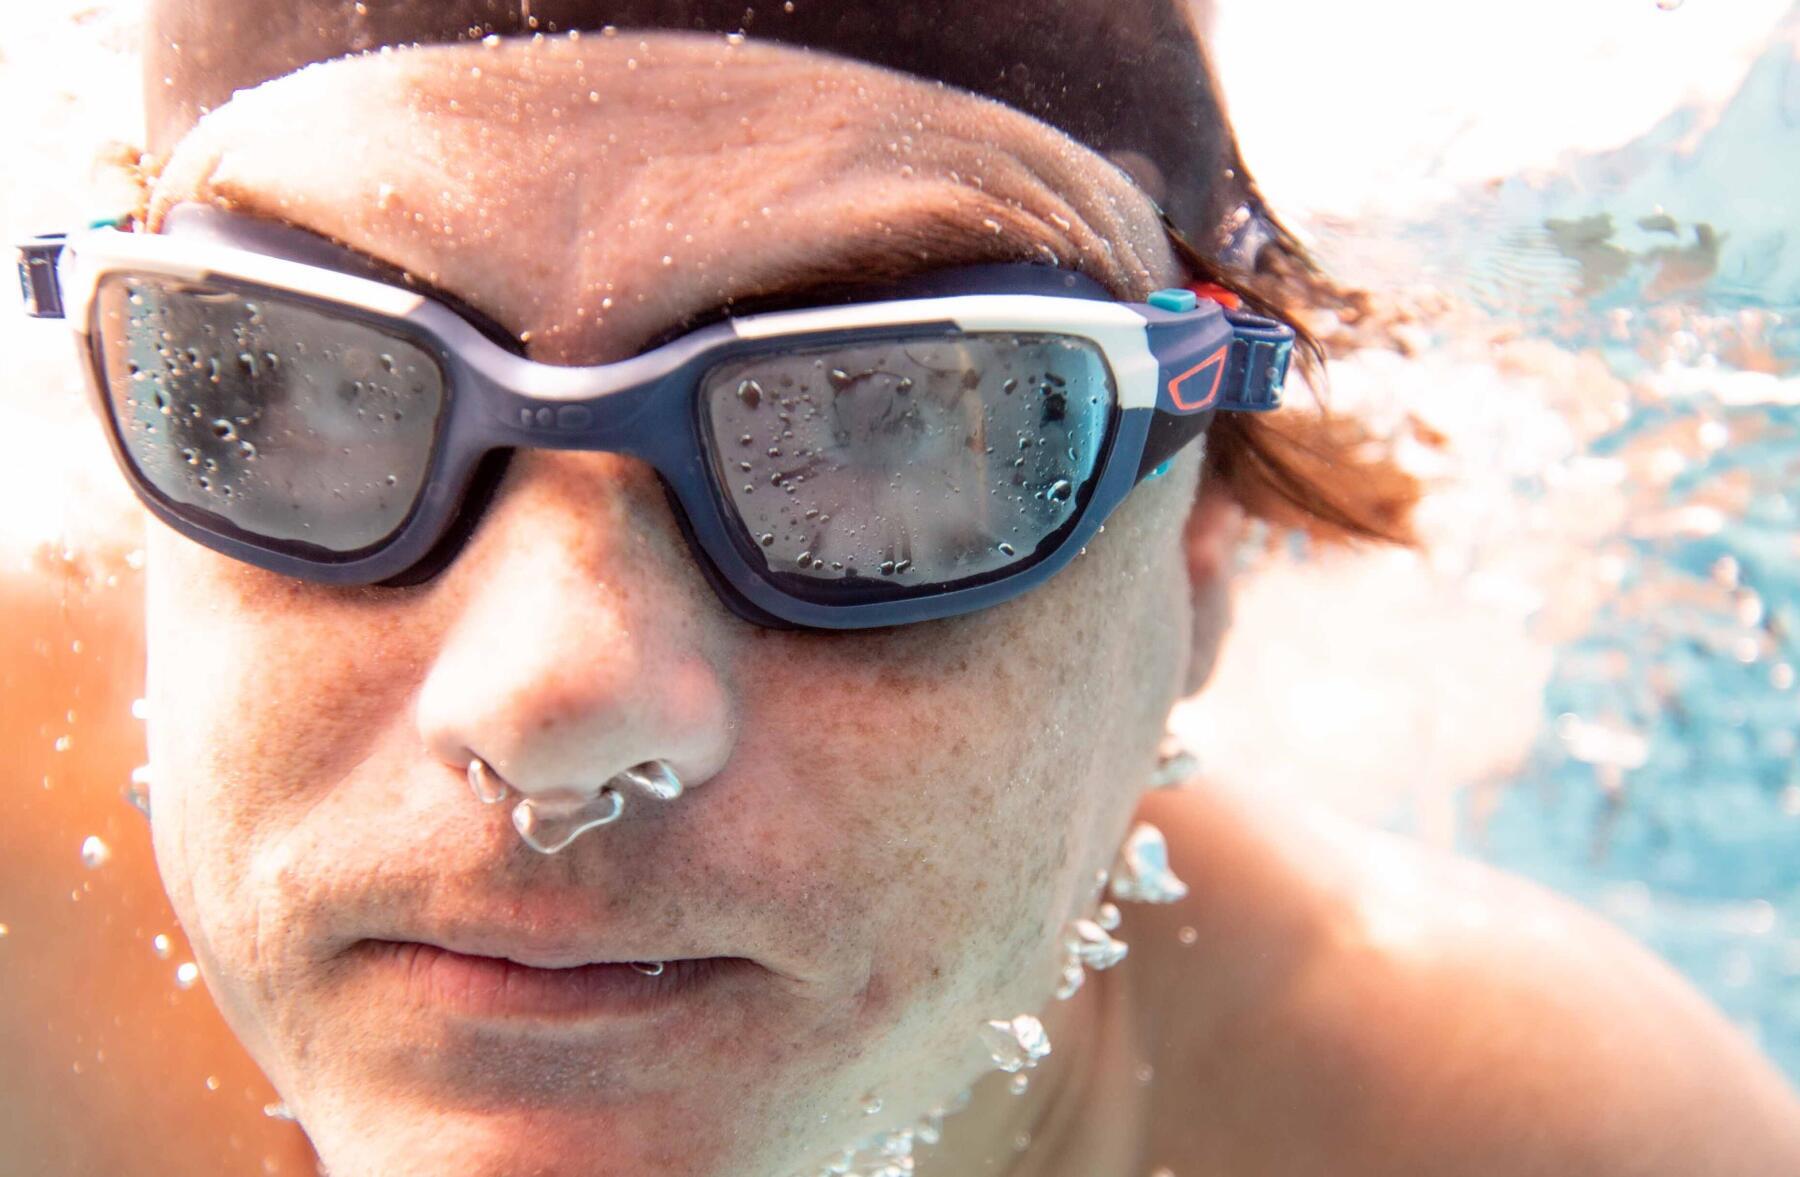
(1176, 359)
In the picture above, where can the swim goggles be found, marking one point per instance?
(951, 445)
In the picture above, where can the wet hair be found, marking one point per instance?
(1128, 78)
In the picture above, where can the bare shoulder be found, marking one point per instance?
(1358, 1003)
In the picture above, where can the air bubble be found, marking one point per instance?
(94, 852)
(1141, 873)
(550, 824)
(161, 945)
(1015, 1045)
(186, 974)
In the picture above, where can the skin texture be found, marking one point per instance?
(900, 873)
(893, 825)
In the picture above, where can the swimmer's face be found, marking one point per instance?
(891, 826)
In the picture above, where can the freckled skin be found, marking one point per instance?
(897, 821)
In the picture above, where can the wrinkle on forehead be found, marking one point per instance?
(589, 194)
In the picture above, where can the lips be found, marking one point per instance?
(500, 987)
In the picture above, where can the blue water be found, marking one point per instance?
(1664, 790)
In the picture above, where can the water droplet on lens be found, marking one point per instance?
(1061, 490)
(765, 539)
(871, 1104)
(750, 392)
(650, 968)
(804, 559)
(224, 430)
(1007, 550)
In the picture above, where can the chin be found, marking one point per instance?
(402, 1138)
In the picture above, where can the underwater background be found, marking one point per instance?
(1579, 234)
(1589, 232)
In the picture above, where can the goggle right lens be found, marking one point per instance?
(301, 430)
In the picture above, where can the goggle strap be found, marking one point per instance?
(1169, 434)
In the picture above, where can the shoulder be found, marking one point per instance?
(1369, 1005)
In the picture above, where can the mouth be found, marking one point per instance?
(499, 987)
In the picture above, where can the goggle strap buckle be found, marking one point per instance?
(1257, 369)
(39, 285)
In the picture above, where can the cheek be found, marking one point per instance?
(965, 780)
(263, 694)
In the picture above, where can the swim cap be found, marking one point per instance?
(1127, 78)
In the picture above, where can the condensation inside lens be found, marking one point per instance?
(287, 422)
(921, 461)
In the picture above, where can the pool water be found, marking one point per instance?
(1663, 788)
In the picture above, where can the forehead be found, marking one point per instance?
(1126, 77)
(637, 179)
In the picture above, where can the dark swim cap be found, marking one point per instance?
(1128, 78)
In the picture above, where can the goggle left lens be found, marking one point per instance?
(879, 470)
(264, 418)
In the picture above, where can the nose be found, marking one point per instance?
(580, 642)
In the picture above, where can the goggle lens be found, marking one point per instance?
(870, 471)
(289, 424)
